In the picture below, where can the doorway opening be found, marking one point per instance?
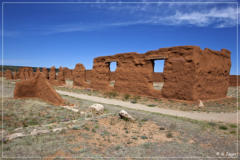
(158, 68)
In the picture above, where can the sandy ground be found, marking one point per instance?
(217, 117)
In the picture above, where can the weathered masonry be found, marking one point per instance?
(189, 73)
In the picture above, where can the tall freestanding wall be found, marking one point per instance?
(189, 73)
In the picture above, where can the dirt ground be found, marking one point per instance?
(228, 117)
(69, 134)
(228, 104)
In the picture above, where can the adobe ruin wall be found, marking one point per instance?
(189, 73)
(234, 80)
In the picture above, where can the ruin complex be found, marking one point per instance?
(190, 73)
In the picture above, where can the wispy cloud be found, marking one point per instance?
(195, 14)
(219, 18)
(198, 15)
(65, 28)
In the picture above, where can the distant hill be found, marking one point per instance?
(16, 68)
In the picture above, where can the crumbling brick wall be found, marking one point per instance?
(8, 74)
(158, 77)
(178, 71)
(52, 74)
(60, 76)
(100, 74)
(234, 80)
(67, 73)
(189, 73)
(79, 75)
(45, 72)
(25, 73)
(15, 75)
(133, 74)
(211, 74)
(37, 71)
(37, 87)
(88, 74)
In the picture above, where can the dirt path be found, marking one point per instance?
(217, 117)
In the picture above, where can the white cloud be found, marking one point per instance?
(196, 14)
(217, 17)
(160, 14)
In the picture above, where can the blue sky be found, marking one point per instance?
(63, 34)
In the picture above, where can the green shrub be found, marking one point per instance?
(135, 99)
(223, 127)
(75, 128)
(134, 137)
(86, 128)
(211, 124)
(32, 122)
(126, 96)
(161, 128)
(111, 94)
(93, 130)
(144, 137)
(233, 126)
(129, 142)
(118, 147)
(152, 105)
(169, 135)
(144, 120)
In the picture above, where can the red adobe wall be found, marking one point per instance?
(212, 73)
(189, 73)
(37, 87)
(157, 77)
(234, 80)
(67, 73)
(8, 74)
(79, 76)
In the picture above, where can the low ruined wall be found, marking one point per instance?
(8, 74)
(79, 76)
(37, 87)
(60, 77)
(45, 72)
(234, 80)
(67, 73)
(157, 77)
(88, 75)
(25, 73)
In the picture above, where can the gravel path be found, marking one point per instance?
(217, 117)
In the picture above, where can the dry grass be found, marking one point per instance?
(152, 135)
